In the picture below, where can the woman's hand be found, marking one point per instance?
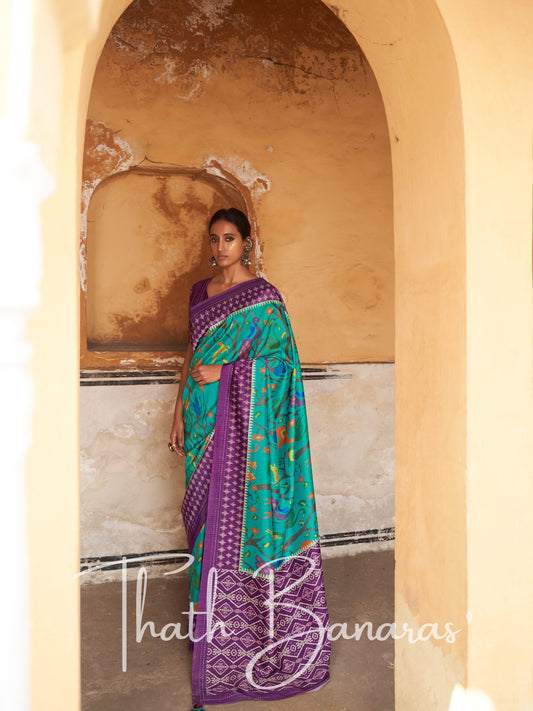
(204, 374)
(177, 437)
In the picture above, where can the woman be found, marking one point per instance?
(260, 627)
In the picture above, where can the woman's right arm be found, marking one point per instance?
(177, 437)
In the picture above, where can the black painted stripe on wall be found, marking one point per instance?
(172, 377)
(114, 562)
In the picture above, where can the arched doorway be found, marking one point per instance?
(426, 133)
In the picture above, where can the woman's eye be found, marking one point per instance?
(230, 239)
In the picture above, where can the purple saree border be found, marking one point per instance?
(318, 674)
(194, 505)
(218, 298)
(217, 308)
(211, 529)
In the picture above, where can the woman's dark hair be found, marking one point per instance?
(236, 217)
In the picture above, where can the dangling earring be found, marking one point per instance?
(245, 259)
(212, 262)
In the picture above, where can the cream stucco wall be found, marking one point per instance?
(497, 94)
(131, 487)
(454, 78)
(422, 100)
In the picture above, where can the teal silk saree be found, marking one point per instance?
(249, 507)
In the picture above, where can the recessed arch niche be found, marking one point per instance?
(280, 97)
(146, 246)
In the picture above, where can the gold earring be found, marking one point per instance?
(245, 259)
(212, 262)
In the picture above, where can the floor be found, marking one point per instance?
(157, 677)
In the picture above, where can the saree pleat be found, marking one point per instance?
(194, 508)
(261, 623)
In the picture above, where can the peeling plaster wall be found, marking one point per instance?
(351, 422)
(160, 250)
(132, 486)
(104, 154)
(277, 98)
(279, 95)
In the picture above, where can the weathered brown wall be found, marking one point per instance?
(280, 96)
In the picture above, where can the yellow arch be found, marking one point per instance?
(448, 75)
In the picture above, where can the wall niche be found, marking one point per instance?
(146, 245)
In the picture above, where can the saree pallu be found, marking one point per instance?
(260, 630)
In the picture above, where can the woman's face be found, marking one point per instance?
(227, 245)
